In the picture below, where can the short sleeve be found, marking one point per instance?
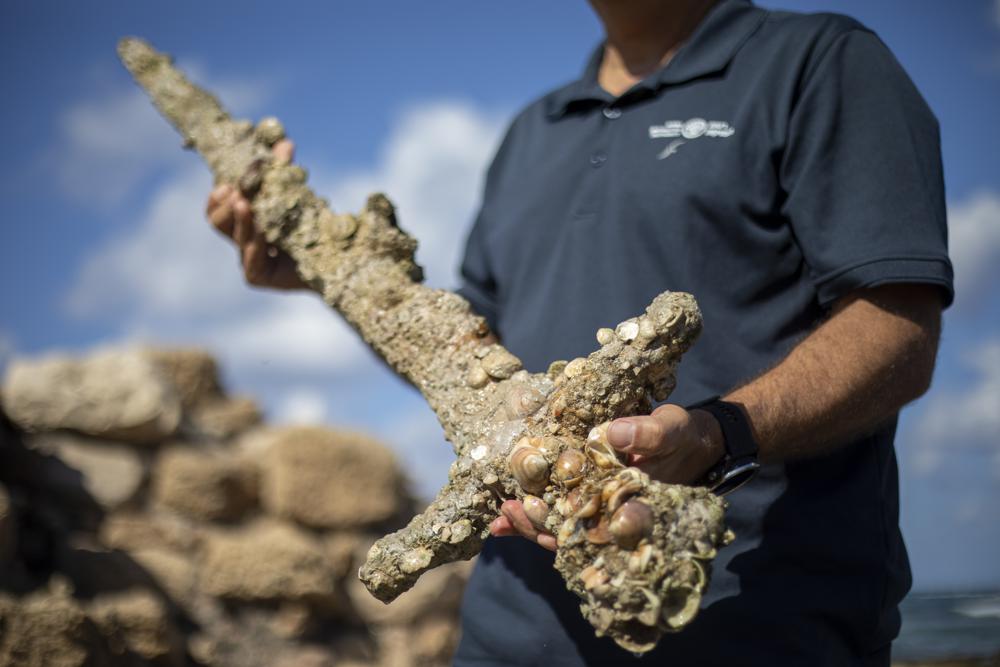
(862, 173)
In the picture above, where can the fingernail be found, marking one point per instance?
(621, 433)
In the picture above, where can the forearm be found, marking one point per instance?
(855, 371)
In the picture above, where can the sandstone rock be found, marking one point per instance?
(8, 528)
(173, 572)
(223, 418)
(49, 629)
(192, 372)
(439, 592)
(137, 621)
(434, 641)
(204, 485)
(109, 472)
(345, 552)
(135, 531)
(307, 656)
(266, 561)
(330, 479)
(119, 395)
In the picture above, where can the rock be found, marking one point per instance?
(292, 620)
(137, 621)
(8, 528)
(266, 561)
(118, 395)
(330, 479)
(192, 372)
(307, 656)
(434, 641)
(173, 572)
(438, 591)
(346, 551)
(49, 629)
(223, 418)
(111, 473)
(204, 485)
(149, 530)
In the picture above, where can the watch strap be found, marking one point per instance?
(739, 463)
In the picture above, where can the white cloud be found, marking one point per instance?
(968, 420)
(974, 245)
(431, 167)
(110, 143)
(171, 278)
(302, 405)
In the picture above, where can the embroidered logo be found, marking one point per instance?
(688, 130)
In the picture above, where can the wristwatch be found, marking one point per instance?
(739, 464)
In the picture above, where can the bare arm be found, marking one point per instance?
(872, 356)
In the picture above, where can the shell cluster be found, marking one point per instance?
(635, 550)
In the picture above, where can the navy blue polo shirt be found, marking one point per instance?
(777, 163)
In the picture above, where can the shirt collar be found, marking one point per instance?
(711, 47)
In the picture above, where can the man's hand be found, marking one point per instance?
(264, 265)
(671, 445)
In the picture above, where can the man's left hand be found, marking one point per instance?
(671, 445)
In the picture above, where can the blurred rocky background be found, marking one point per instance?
(147, 517)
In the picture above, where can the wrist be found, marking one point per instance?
(738, 462)
(713, 443)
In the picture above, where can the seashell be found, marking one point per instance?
(592, 577)
(477, 378)
(624, 491)
(568, 533)
(416, 560)
(548, 445)
(555, 369)
(600, 450)
(570, 467)
(631, 523)
(500, 364)
(647, 331)
(522, 401)
(628, 330)
(529, 467)
(600, 533)
(650, 614)
(270, 131)
(639, 559)
(536, 509)
(681, 608)
(605, 335)
(575, 367)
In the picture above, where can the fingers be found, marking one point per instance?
(219, 209)
(243, 231)
(646, 436)
(257, 263)
(514, 521)
(284, 151)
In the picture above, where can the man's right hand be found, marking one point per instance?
(264, 265)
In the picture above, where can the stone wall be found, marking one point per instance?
(147, 517)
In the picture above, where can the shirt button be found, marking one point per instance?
(597, 159)
(612, 112)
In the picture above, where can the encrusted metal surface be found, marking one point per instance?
(635, 550)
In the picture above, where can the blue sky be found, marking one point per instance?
(104, 241)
